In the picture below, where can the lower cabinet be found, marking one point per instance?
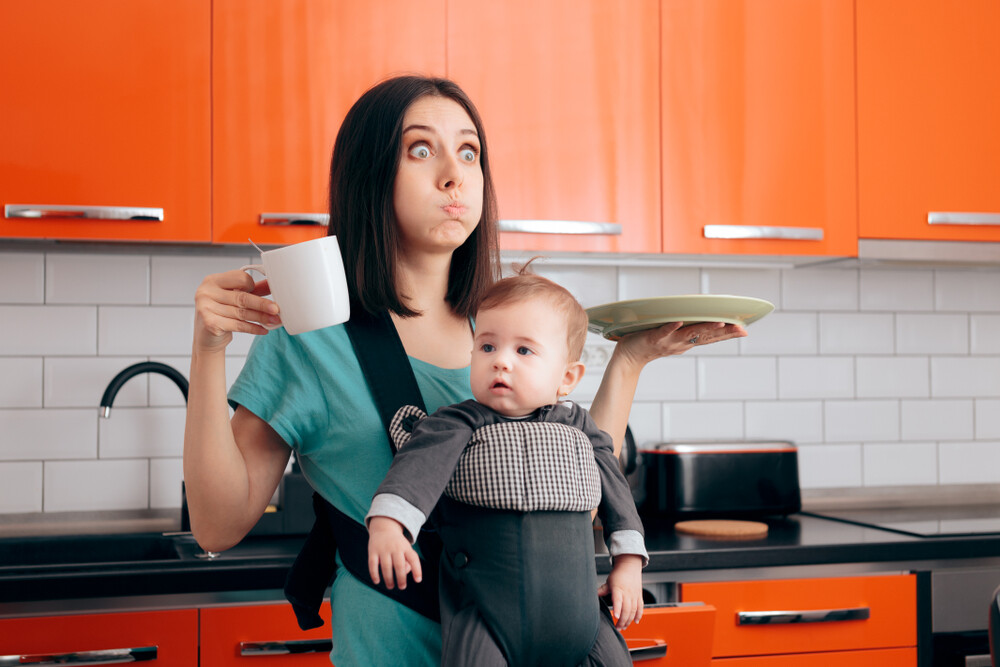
(867, 620)
(685, 631)
(168, 637)
(262, 635)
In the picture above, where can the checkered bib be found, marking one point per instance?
(519, 465)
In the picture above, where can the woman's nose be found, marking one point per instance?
(451, 173)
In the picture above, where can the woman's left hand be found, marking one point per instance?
(674, 338)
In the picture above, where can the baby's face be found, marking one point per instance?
(520, 358)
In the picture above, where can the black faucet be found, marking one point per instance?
(137, 369)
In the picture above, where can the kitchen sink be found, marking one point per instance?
(86, 549)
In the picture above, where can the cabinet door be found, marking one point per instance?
(893, 657)
(263, 635)
(759, 127)
(106, 120)
(284, 75)
(169, 637)
(928, 104)
(774, 616)
(568, 94)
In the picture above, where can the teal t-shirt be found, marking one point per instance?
(311, 390)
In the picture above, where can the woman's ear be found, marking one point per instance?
(574, 373)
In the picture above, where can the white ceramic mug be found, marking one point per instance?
(308, 283)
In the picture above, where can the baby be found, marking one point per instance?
(517, 473)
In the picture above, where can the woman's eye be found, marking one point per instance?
(524, 351)
(467, 154)
(420, 151)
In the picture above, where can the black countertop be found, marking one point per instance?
(174, 567)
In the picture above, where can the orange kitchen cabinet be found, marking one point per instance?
(171, 637)
(265, 635)
(106, 120)
(928, 103)
(284, 75)
(686, 629)
(760, 617)
(568, 91)
(759, 142)
(890, 657)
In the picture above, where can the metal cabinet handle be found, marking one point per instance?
(317, 219)
(49, 211)
(955, 218)
(256, 649)
(654, 652)
(815, 616)
(113, 656)
(761, 232)
(561, 227)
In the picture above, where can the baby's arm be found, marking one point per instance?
(389, 550)
(625, 586)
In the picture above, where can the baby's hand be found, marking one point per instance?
(390, 552)
(625, 585)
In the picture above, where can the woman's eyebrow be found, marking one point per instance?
(428, 128)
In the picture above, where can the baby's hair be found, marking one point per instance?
(525, 285)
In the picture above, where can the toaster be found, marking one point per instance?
(720, 480)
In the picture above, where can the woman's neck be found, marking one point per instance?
(422, 282)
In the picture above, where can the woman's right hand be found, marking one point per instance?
(228, 302)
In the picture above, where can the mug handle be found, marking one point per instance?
(259, 268)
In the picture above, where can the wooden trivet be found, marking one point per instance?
(722, 528)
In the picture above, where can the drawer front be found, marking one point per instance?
(885, 657)
(687, 631)
(262, 635)
(790, 615)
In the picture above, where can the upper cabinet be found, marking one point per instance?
(284, 76)
(568, 92)
(106, 130)
(928, 110)
(759, 138)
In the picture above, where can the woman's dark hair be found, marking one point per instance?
(363, 170)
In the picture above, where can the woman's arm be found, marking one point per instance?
(613, 401)
(231, 468)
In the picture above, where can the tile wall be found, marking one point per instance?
(884, 378)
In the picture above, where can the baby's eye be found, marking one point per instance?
(524, 351)
(420, 151)
(468, 154)
(487, 347)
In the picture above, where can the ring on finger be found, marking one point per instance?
(693, 340)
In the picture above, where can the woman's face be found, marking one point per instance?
(438, 193)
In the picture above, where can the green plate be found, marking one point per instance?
(614, 320)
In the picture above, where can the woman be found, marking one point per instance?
(412, 205)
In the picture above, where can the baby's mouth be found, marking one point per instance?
(499, 384)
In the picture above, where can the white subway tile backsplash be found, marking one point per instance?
(175, 278)
(900, 463)
(794, 421)
(35, 435)
(758, 283)
(646, 422)
(592, 286)
(48, 330)
(21, 383)
(856, 333)
(932, 333)
(969, 462)
(20, 487)
(819, 289)
(895, 290)
(737, 378)
(669, 379)
(965, 376)
(702, 421)
(861, 421)
(893, 377)
(938, 419)
(96, 485)
(23, 277)
(155, 330)
(165, 477)
(142, 433)
(972, 291)
(987, 419)
(985, 334)
(830, 466)
(782, 333)
(79, 382)
(94, 279)
(646, 282)
(816, 377)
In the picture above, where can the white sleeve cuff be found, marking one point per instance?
(628, 542)
(400, 509)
